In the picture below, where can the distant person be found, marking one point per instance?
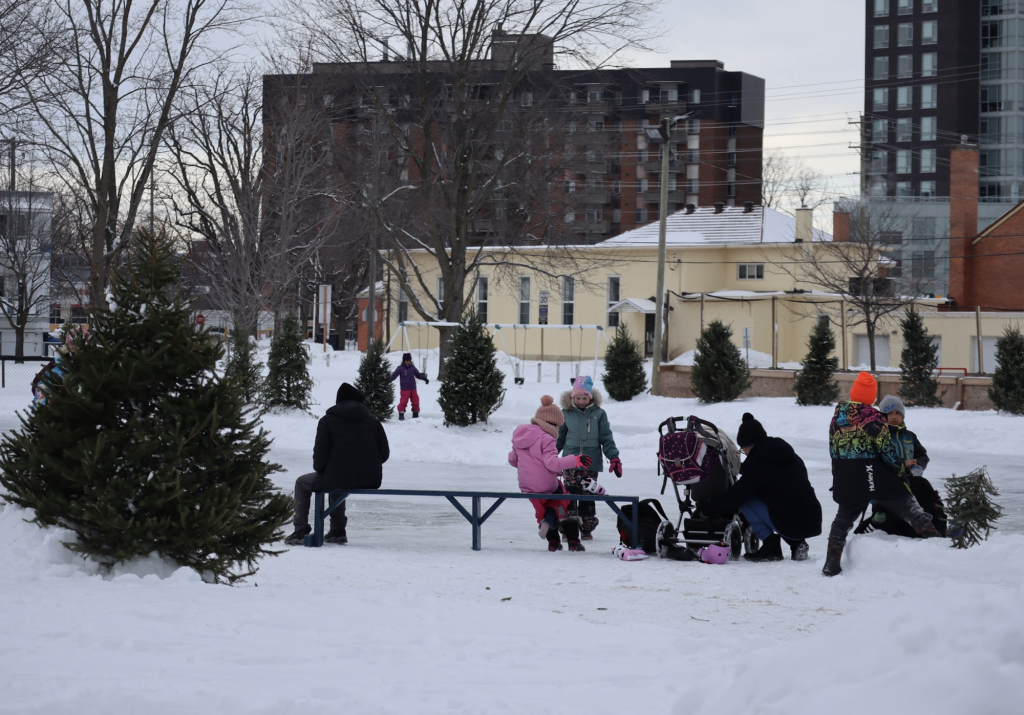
(349, 452)
(59, 365)
(773, 493)
(915, 461)
(535, 456)
(409, 375)
(586, 432)
(866, 468)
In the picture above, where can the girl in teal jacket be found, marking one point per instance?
(586, 431)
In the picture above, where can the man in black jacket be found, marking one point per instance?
(774, 494)
(349, 452)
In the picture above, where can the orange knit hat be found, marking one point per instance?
(864, 389)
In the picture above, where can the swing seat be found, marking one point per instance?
(519, 380)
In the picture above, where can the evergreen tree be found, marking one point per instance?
(288, 382)
(1007, 391)
(140, 448)
(375, 381)
(719, 373)
(918, 361)
(624, 376)
(816, 384)
(472, 388)
(243, 366)
(970, 509)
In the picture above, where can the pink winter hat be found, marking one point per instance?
(549, 418)
(583, 386)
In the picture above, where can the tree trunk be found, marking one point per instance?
(871, 343)
(19, 341)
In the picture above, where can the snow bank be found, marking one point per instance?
(754, 360)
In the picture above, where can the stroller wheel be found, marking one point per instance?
(734, 539)
(750, 541)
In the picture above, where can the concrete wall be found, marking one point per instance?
(963, 393)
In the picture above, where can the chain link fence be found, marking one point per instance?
(16, 374)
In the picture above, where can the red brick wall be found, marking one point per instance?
(995, 267)
(963, 220)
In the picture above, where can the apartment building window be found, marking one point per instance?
(641, 215)
(881, 68)
(526, 99)
(905, 66)
(881, 8)
(992, 7)
(929, 96)
(879, 162)
(641, 185)
(692, 186)
(903, 161)
(929, 5)
(991, 35)
(992, 66)
(929, 32)
(692, 156)
(440, 293)
(880, 99)
(730, 190)
(903, 189)
(904, 7)
(929, 64)
(645, 96)
(616, 215)
(991, 128)
(570, 217)
(672, 185)
(595, 125)
(569, 187)
(694, 96)
(616, 186)
(55, 316)
(881, 36)
(905, 34)
(693, 126)
(923, 264)
(594, 96)
(904, 97)
(594, 215)
(928, 189)
(613, 298)
(568, 300)
(524, 300)
(668, 95)
(904, 130)
(880, 131)
(991, 98)
(481, 298)
(594, 185)
(750, 271)
(927, 161)
(928, 129)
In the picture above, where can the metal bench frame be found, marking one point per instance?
(474, 515)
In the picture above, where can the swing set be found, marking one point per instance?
(516, 356)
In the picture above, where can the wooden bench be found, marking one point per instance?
(473, 515)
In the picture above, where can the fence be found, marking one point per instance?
(16, 373)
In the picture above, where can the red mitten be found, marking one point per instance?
(615, 467)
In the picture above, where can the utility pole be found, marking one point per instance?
(662, 135)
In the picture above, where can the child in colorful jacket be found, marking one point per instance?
(535, 456)
(409, 374)
(586, 432)
(866, 469)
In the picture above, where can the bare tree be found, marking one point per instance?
(858, 269)
(24, 259)
(29, 46)
(102, 113)
(776, 177)
(473, 120)
(262, 220)
(788, 180)
(809, 186)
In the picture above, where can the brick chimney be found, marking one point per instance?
(963, 220)
(841, 225)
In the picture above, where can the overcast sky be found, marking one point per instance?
(810, 54)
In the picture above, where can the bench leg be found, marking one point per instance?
(635, 526)
(476, 524)
(318, 519)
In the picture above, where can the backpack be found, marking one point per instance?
(39, 375)
(652, 515)
(884, 520)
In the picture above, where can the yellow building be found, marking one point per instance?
(734, 264)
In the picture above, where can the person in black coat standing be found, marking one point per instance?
(349, 452)
(774, 494)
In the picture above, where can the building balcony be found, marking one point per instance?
(600, 167)
(654, 167)
(654, 197)
(596, 197)
(597, 227)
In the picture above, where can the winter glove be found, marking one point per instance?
(590, 486)
(615, 467)
(426, 381)
(583, 461)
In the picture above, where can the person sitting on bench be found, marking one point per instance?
(349, 452)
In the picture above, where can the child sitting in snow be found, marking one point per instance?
(409, 374)
(535, 456)
(586, 432)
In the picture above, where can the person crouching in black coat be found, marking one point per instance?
(349, 452)
(774, 494)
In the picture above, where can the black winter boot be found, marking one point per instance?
(798, 549)
(833, 557)
(336, 536)
(554, 542)
(298, 537)
(924, 527)
(415, 413)
(571, 527)
(401, 416)
(771, 550)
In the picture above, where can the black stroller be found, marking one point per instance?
(694, 454)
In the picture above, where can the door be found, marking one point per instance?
(649, 335)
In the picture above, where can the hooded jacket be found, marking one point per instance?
(865, 463)
(907, 445)
(408, 375)
(350, 448)
(586, 431)
(535, 456)
(775, 474)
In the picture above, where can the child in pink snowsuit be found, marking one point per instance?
(535, 456)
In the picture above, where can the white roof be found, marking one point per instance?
(634, 305)
(734, 225)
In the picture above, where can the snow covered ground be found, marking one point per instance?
(408, 619)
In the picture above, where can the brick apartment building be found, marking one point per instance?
(613, 172)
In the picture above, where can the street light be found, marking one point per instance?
(662, 135)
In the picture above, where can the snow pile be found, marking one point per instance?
(755, 360)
